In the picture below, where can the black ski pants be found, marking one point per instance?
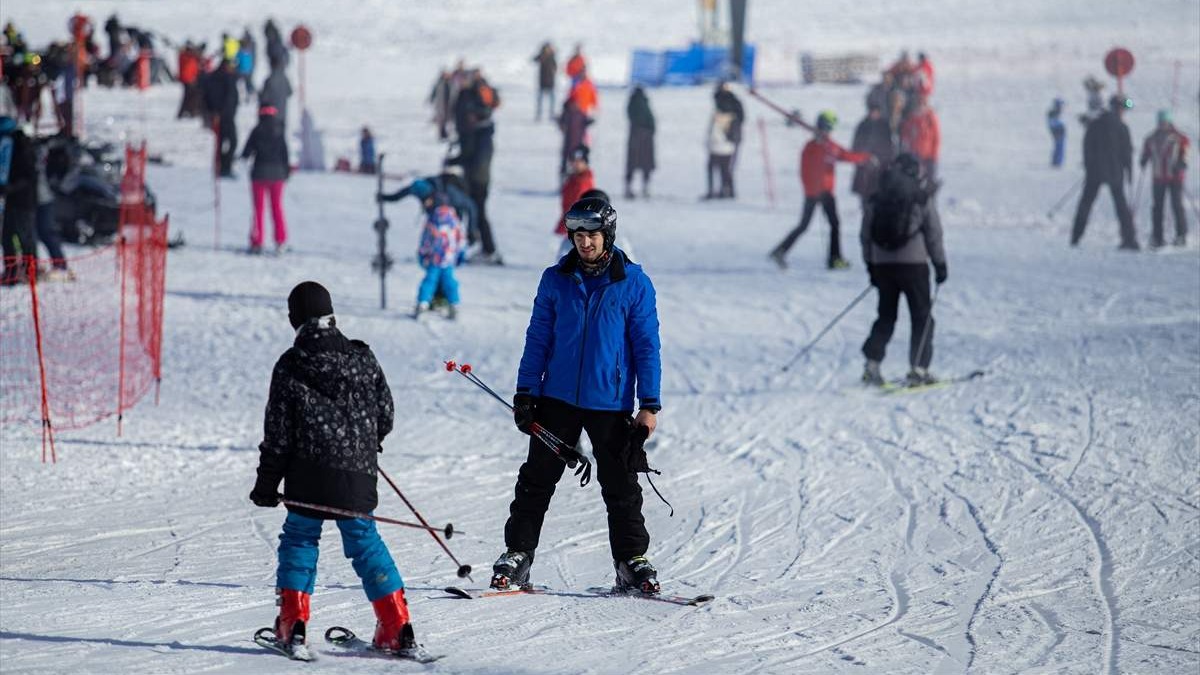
(1091, 188)
(722, 166)
(609, 432)
(911, 280)
(228, 143)
(20, 242)
(1156, 213)
(826, 201)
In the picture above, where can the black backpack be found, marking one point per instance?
(894, 206)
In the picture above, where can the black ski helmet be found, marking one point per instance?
(597, 193)
(593, 215)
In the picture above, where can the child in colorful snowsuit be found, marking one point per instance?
(440, 252)
(327, 414)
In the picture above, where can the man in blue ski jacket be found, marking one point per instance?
(591, 348)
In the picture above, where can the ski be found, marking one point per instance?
(345, 639)
(478, 593)
(265, 637)
(902, 387)
(684, 600)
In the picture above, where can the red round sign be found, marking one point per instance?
(301, 38)
(1118, 62)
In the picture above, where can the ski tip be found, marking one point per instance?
(975, 374)
(450, 366)
(338, 635)
(458, 592)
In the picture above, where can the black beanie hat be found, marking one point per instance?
(308, 300)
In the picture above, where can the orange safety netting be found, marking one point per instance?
(77, 347)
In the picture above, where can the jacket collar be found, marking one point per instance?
(569, 265)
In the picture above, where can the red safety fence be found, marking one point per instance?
(83, 344)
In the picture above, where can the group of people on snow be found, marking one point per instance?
(1108, 161)
(329, 409)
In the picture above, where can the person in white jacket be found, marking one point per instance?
(721, 147)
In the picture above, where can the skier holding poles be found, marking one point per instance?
(901, 235)
(328, 412)
(592, 342)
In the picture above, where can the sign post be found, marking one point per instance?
(1119, 63)
(301, 40)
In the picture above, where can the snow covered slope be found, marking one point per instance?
(1041, 519)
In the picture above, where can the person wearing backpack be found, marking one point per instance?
(439, 252)
(817, 162)
(901, 235)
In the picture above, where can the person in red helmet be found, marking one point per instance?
(817, 162)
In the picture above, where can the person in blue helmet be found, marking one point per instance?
(1058, 132)
(591, 350)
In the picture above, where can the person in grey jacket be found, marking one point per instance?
(276, 90)
(898, 245)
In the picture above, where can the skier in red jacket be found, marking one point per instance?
(817, 163)
(579, 181)
(1165, 150)
(921, 135)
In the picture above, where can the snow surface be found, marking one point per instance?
(1040, 520)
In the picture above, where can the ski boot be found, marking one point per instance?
(421, 308)
(636, 574)
(512, 570)
(393, 632)
(918, 377)
(294, 611)
(871, 375)
(1180, 240)
(451, 312)
(776, 256)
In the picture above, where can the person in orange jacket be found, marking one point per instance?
(575, 64)
(817, 163)
(921, 135)
(579, 181)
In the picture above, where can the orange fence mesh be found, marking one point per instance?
(77, 349)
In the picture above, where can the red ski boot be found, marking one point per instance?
(393, 632)
(294, 611)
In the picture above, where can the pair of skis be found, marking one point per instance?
(597, 591)
(903, 387)
(345, 640)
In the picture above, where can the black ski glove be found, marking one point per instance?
(524, 406)
(871, 273)
(940, 273)
(635, 453)
(265, 492)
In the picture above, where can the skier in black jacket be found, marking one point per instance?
(328, 411)
(221, 101)
(1107, 159)
(19, 191)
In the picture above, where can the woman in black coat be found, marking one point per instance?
(639, 155)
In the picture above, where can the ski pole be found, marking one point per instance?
(568, 454)
(807, 348)
(928, 325)
(448, 530)
(1137, 194)
(1058, 205)
(780, 109)
(463, 570)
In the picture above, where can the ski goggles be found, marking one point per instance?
(588, 221)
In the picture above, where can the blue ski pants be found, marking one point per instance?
(438, 278)
(298, 548)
